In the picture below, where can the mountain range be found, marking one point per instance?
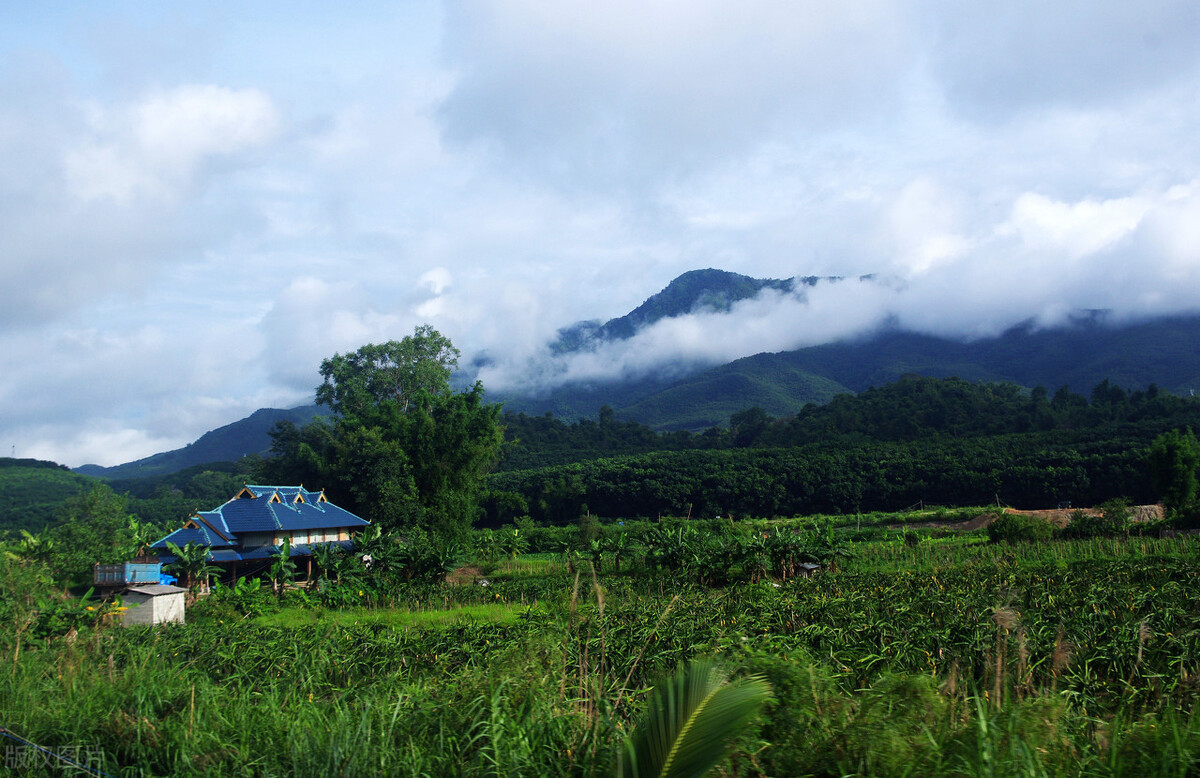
(1079, 355)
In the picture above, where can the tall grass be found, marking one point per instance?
(951, 658)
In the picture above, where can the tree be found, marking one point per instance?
(137, 537)
(93, 527)
(191, 562)
(396, 370)
(283, 569)
(1174, 458)
(747, 426)
(403, 450)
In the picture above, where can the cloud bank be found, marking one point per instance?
(201, 204)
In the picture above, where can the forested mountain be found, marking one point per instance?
(1079, 356)
(251, 435)
(918, 439)
(696, 290)
(911, 408)
(33, 489)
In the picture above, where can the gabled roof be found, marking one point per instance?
(257, 509)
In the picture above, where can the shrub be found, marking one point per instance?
(1015, 528)
(1115, 518)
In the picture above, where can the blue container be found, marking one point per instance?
(128, 573)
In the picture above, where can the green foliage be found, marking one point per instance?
(33, 491)
(93, 527)
(1113, 518)
(404, 451)
(191, 564)
(283, 569)
(396, 371)
(398, 558)
(1174, 459)
(246, 598)
(1019, 528)
(1027, 471)
(889, 666)
(691, 723)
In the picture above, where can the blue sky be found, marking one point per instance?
(201, 201)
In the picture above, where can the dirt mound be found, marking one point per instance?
(464, 575)
(1059, 517)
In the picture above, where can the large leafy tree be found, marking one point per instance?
(402, 450)
(1174, 459)
(356, 384)
(92, 527)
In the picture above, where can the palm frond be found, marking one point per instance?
(691, 722)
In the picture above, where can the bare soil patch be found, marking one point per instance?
(1059, 517)
(468, 574)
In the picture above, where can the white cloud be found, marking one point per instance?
(154, 147)
(199, 206)
(1073, 230)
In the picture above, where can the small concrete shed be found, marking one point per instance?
(153, 604)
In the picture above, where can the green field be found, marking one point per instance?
(937, 656)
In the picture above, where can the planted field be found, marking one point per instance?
(946, 657)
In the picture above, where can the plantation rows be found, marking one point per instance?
(947, 657)
(1111, 631)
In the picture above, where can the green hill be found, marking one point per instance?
(247, 436)
(33, 490)
(709, 399)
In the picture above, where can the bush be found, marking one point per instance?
(1017, 528)
(1115, 518)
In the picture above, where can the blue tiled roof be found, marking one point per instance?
(263, 509)
(201, 536)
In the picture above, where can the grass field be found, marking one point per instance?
(950, 656)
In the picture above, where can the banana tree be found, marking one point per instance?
(191, 564)
(283, 569)
(137, 537)
(328, 557)
(39, 547)
(620, 548)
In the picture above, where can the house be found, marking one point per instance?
(247, 531)
(153, 604)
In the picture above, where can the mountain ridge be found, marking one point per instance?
(1087, 350)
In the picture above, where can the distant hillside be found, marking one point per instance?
(250, 435)
(1162, 352)
(33, 490)
(710, 398)
(1081, 355)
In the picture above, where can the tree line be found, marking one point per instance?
(912, 408)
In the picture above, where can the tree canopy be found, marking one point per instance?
(397, 370)
(403, 450)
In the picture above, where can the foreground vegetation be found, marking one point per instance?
(923, 643)
(925, 652)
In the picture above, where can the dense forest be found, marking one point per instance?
(940, 441)
(919, 440)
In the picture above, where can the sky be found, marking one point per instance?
(201, 201)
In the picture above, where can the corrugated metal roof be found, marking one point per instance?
(155, 589)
